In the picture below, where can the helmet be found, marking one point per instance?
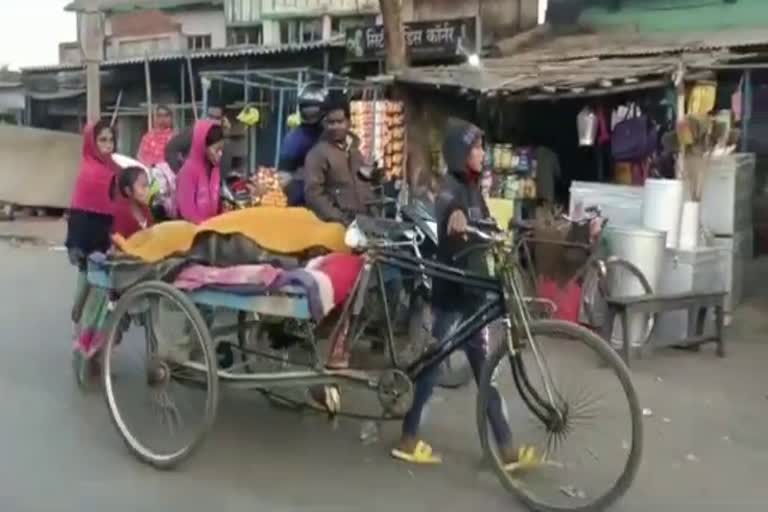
(311, 100)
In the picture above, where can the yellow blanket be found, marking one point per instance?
(285, 231)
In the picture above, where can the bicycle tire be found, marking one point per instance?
(601, 287)
(185, 305)
(612, 361)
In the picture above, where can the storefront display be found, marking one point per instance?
(380, 125)
(510, 172)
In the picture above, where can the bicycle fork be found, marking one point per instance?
(545, 409)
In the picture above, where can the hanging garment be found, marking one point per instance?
(737, 100)
(586, 123)
(701, 100)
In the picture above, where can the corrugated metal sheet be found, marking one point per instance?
(521, 76)
(604, 44)
(240, 51)
(242, 12)
(130, 5)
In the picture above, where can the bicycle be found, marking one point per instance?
(597, 275)
(548, 405)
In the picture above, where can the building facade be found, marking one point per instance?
(647, 16)
(137, 27)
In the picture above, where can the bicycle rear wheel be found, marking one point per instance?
(591, 445)
(598, 285)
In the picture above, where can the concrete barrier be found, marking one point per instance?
(38, 167)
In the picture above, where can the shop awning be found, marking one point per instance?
(536, 80)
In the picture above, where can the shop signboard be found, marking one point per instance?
(425, 40)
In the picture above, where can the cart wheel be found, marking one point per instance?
(162, 395)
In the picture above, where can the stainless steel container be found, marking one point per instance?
(621, 204)
(738, 251)
(727, 190)
(644, 248)
(687, 271)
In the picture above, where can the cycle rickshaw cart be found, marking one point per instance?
(180, 379)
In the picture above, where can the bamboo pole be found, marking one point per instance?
(192, 85)
(148, 84)
(117, 108)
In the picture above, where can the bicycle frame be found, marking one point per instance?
(502, 299)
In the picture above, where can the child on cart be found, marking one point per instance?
(459, 202)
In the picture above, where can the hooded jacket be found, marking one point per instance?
(458, 190)
(91, 193)
(333, 188)
(179, 146)
(199, 182)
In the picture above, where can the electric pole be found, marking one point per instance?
(91, 38)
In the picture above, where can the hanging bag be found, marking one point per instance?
(632, 139)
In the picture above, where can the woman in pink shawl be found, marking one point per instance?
(90, 215)
(152, 147)
(199, 180)
(89, 225)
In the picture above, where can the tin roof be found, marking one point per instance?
(613, 43)
(548, 66)
(548, 79)
(232, 51)
(129, 5)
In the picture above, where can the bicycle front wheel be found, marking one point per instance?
(567, 395)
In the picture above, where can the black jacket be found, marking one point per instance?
(458, 191)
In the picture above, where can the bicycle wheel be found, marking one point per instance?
(161, 406)
(591, 435)
(607, 276)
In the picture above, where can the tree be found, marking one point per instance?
(394, 35)
(397, 59)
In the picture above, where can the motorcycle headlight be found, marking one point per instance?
(354, 237)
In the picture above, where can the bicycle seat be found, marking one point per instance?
(384, 228)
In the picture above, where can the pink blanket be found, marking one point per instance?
(326, 280)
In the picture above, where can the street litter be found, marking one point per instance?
(573, 492)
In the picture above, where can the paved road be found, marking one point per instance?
(706, 442)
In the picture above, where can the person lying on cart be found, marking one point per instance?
(459, 201)
(334, 187)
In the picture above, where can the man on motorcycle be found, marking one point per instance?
(335, 188)
(459, 202)
(300, 140)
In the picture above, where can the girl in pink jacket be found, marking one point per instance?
(199, 180)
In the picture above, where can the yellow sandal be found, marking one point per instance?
(526, 459)
(422, 454)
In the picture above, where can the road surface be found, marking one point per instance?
(706, 446)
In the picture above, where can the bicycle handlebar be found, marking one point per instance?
(487, 239)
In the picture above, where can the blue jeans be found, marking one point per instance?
(476, 350)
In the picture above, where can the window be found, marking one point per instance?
(301, 31)
(245, 35)
(339, 26)
(201, 42)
